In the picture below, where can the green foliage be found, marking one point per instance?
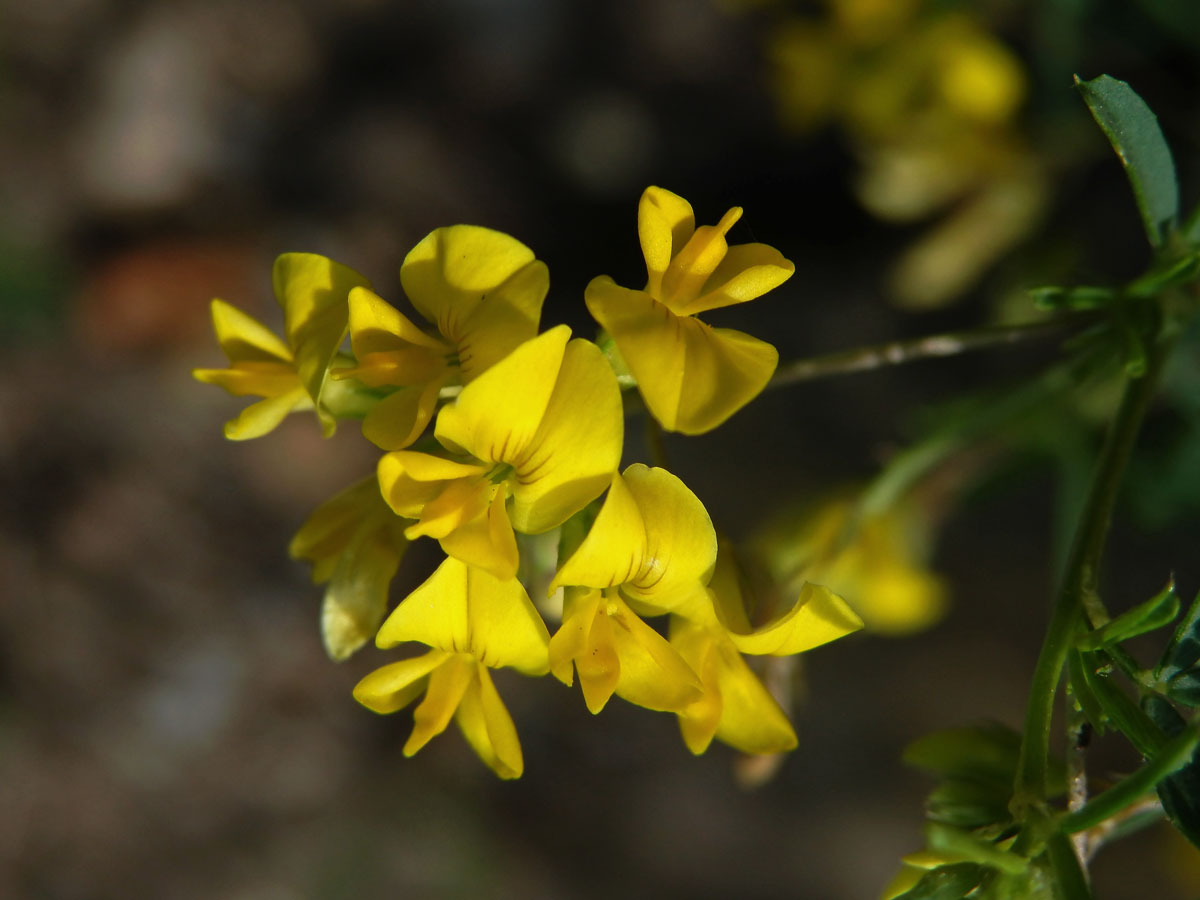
(953, 882)
(1133, 131)
(1179, 793)
(1157, 612)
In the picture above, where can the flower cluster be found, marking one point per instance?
(928, 97)
(491, 429)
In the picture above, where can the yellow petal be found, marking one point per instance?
(506, 318)
(665, 222)
(465, 610)
(567, 644)
(486, 541)
(695, 263)
(355, 543)
(313, 292)
(496, 416)
(408, 480)
(692, 377)
(699, 719)
(258, 379)
(394, 686)
(488, 728)
(400, 418)
(458, 503)
(577, 447)
(681, 545)
(818, 617)
(259, 418)
(355, 601)
(244, 338)
(332, 525)
(653, 674)
(611, 553)
(378, 327)
(451, 270)
(599, 665)
(747, 271)
(751, 719)
(447, 685)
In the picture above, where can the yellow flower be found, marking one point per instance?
(711, 637)
(290, 376)
(876, 562)
(543, 426)
(355, 543)
(473, 622)
(692, 376)
(481, 288)
(653, 546)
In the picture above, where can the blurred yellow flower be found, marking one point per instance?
(928, 100)
(290, 375)
(482, 289)
(692, 376)
(473, 622)
(543, 426)
(355, 543)
(876, 563)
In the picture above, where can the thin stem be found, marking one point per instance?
(654, 438)
(1080, 580)
(952, 343)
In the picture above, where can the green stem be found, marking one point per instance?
(863, 359)
(1080, 580)
(1174, 754)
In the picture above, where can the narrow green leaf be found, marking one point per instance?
(1173, 756)
(1120, 710)
(1159, 610)
(1183, 651)
(953, 882)
(1184, 688)
(1159, 278)
(954, 842)
(1179, 792)
(1082, 297)
(1081, 690)
(1133, 131)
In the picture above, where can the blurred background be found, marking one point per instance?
(169, 724)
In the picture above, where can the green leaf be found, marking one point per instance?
(1172, 757)
(1162, 277)
(985, 752)
(1180, 792)
(1133, 131)
(1082, 297)
(1184, 688)
(954, 842)
(1119, 709)
(970, 804)
(1159, 610)
(1183, 652)
(953, 882)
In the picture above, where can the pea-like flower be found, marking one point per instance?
(692, 376)
(482, 289)
(472, 622)
(543, 426)
(711, 637)
(652, 547)
(291, 375)
(878, 562)
(355, 543)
